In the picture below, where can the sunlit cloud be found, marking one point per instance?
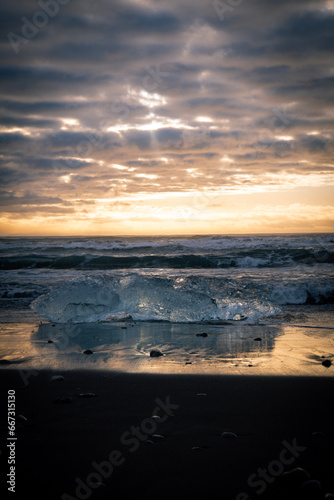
(147, 176)
(146, 98)
(330, 4)
(117, 118)
(65, 178)
(226, 159)
(119, 167)
(69, 121)
(284, 137)
(16, 130)
(151, 122)
(204, 119)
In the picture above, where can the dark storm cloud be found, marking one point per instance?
(21, 121)
(305, 31)
(170, 136)
(32, 80)
(314, 144)
(130, 82)
(44, 107)
(13, 139)
(10, 176)
(140, 138)
(28, 199)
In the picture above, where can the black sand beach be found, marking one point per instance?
(62, 448)
(167, 250)
(231, 407)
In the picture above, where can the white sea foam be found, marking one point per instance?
(301, 293)
(200, 243)
(173, 278)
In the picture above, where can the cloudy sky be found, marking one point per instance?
(156, 116)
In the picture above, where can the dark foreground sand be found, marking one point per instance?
(281, 423)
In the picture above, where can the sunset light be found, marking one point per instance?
(186, 108)
(167, 249)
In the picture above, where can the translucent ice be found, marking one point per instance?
(173, 299)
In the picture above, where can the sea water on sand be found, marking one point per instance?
(278, 348)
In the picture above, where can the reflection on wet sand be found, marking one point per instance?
(186, 348)
(127, 346)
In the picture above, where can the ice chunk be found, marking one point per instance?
(84, 300)
(150, 298)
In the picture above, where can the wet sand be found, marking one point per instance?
(232, 414)
(229, 349)
(104, 446)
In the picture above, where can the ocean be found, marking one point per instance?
(169, 286)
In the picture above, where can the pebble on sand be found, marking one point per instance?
(318, 434)
(229, 435)
(327, 363)
(87, 351)
(57, 378)
(64, 400)
(157, 437)
(295, 477)
(310, 486)
(21, 419)
(155, 354)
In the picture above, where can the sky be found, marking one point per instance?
(166, 117)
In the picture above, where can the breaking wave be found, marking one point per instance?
(238, 259)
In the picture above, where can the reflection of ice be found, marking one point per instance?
(222, 341)
(126, 346)
(66, 343)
